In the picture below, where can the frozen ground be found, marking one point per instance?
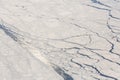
(59, 39)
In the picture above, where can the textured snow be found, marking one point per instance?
(59, 40)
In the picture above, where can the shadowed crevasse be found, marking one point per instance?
(8, 32)
(62, 73)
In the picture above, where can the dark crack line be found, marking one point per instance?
(110, 27)
(111, 49)
(110, 15)
(109, 11)
(106, 58)
(84, 55)
(98, 2)
(112, 45)
(114, 17)
(101, 74)
(98, 7)
(81, 66)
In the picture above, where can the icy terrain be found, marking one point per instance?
(59, 39)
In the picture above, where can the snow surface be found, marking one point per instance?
(59, 39)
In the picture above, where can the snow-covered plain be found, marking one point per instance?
(59, 39)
